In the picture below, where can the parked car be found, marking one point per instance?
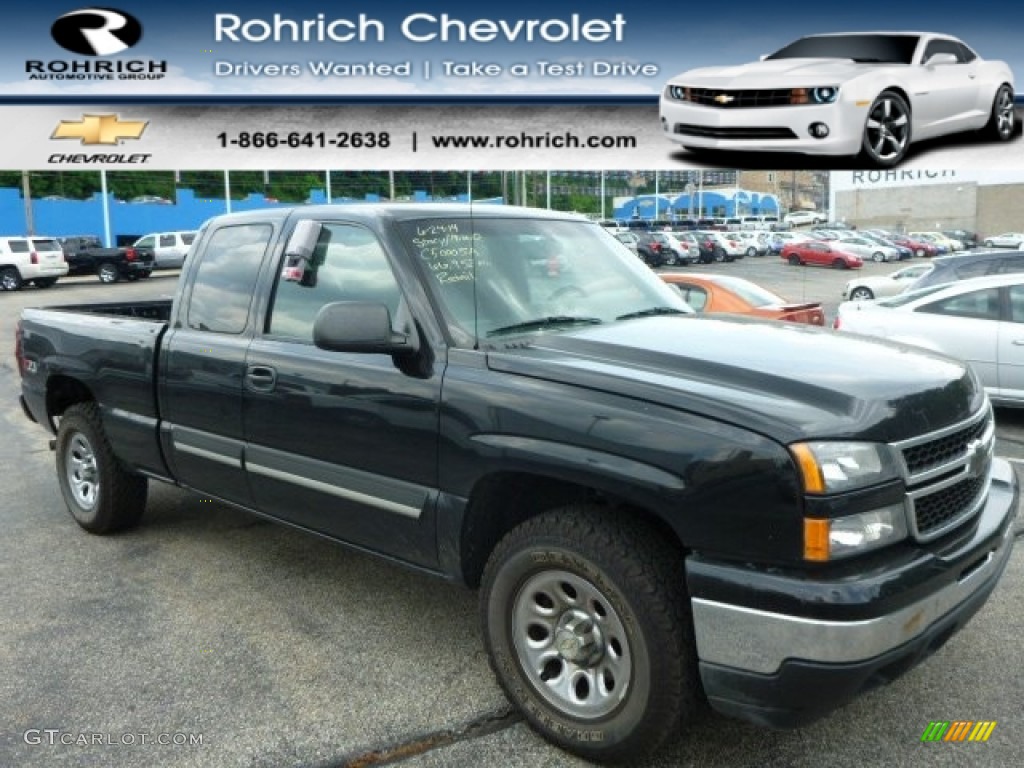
(168, 248)
(903, 251)
(727, 293)
(920, 248)
(868, 94)
(865, 287)
(1005, 240)
(629, 240)
(867, 248)
(965, 236)
(724, 246)
(661, 510)
(803, 218)
(979, 321)
(756, 243)
(964, 266)
(949, 243)
(819, 253)
(36, 260)
(86, 255)
(650, 248)
(779, 239)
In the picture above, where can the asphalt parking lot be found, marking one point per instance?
(207, 637)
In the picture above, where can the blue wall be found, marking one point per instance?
(710, 202)
(59, 218)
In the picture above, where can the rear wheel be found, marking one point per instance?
(719, 255)
(1001, 122)
(751, 252)
(10, 279)
(878, 256)
(861, 293)
(100, 494)
(108, 273)
(587, 625)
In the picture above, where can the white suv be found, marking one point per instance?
(169, 248)
(37, 260)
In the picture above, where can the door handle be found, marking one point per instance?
(260, 378)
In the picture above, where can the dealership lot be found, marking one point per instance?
(274, 648)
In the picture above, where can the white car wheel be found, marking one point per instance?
(887, 130)
(877, 256)
(861, 293)
(1001, 123)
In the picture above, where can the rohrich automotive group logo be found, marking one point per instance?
(96, 33)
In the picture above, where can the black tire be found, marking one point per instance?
(604, 570)
(10, 279)
(839, 264)
(99, 493)
(794, 260)
(108, 273)
(887, 131)
(44, 282)
(861, 293)
(719, 255)
(1002, 121)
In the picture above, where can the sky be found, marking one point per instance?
(181, 33)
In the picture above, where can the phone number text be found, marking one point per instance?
(303, 139)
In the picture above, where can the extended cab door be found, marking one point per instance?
(203, 362)
(343, 443)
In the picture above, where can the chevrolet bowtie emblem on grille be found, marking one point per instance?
(99, 129)
(724, 98)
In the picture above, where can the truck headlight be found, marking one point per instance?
(835, 467)
(835, 538)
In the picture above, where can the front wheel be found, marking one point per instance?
(99, 493)
(861, 294)
(794, 260)
(839, 264)
(108, 273)
(887, 131)
(1001, 121)
(751, 252)
(587, 625)
(877, 257)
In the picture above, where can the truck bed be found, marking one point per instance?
(110, 349)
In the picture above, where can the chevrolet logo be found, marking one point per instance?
(99, 129)
(724, 98)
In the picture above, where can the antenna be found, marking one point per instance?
(472, 250)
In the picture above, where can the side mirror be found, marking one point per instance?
(941, 59)
(358, 326)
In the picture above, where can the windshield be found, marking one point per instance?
(498, 276)
(889, 49)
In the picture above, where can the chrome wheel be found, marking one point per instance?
(1003, 113)
(10, 279)
(887, 130)
(571, 644)
(861, 294)
(108, 273)
(82, 471)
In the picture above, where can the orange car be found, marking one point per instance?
(724, 293)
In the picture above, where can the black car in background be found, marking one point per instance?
(86, 255)
(651, 249)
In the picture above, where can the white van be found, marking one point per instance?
(169, 248)
(37, 260)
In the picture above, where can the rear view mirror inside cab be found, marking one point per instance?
(299, 263)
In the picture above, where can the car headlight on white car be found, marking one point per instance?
(678, 92)
(825, 94)
(835, 467)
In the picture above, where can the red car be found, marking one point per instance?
(821, 253)
(919, 247)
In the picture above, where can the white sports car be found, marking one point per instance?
(867, 93)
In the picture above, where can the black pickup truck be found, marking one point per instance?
(86, 255)
(656, 506)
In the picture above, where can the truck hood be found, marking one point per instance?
(786, 381)
(780, 73)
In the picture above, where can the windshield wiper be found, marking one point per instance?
(544, 322)
(651, 312)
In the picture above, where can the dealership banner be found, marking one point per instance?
(526, 85)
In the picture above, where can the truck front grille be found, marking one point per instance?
(948, 473)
